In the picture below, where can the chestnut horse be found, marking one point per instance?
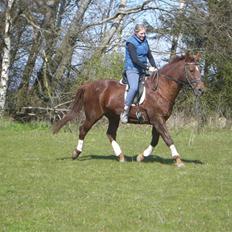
(106, 98)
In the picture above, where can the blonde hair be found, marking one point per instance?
(139, 27)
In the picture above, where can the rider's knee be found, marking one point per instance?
(133, 89)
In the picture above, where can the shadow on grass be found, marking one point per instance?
(150, 159)
(162, 160)
(64, 158)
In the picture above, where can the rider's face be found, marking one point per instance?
(141, 34)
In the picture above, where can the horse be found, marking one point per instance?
(106, 98)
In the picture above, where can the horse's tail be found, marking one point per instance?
(74, 111)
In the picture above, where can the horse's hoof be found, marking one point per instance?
(179, 163)
(140, 158)
(121, 158)
(75, 154)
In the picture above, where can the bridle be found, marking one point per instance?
(191, 81)
(188, 80)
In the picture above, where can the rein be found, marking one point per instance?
(154, 88)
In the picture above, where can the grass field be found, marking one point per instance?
(42, 189)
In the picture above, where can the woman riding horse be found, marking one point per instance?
(137, 52)
(106, 98)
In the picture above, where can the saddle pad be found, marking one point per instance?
(142, 98)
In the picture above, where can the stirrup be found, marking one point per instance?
(139, 116)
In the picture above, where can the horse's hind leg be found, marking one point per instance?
(83, 130)
(149, 149)
(111, 133)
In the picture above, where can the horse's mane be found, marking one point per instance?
(176, 59)
(173, 60)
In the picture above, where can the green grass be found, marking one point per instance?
(42, 189)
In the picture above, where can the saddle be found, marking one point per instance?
(140, 95)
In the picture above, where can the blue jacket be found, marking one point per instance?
(142, 48)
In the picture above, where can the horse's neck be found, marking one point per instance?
(168, 86)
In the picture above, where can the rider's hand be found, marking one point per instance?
(152, 69)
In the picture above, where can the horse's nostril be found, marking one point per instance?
(200, 91)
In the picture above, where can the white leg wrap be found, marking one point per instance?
(116, 148)
(148, 151)
(80, 145)
(173, 150)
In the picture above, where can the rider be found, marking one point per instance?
(135, 64)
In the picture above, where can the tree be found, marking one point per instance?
(177, 35)
(6, 56)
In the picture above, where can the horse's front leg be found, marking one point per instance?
(161, 127)
(149, 149)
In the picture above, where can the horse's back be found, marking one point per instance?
(105, 94)
(105, 83)
(99, 86)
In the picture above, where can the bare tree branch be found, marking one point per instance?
(124, 12)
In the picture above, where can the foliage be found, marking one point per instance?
(205, 26)
(219, 96)
(108, 66)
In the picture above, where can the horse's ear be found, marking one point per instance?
(197, 57)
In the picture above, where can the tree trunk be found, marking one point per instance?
(6, 58)
(44, 45)
(65, 51)
(177, 36)
(115, 27)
